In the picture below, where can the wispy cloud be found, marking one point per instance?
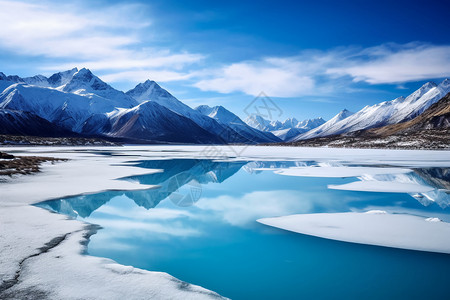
(142, 75)
(321, 73)
(118, 41)
(272, 77)
(64, 31)
(397, 63)
(113, 39)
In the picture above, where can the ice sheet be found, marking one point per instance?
(373, 228)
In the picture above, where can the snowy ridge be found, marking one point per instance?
(385, 113)
(260, 123)
(77, 101)
(227, 118)
(150, 90)
(289, 133)
(80, 102)
(324, 127)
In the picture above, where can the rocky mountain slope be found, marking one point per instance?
(385, 113)
(429, 130)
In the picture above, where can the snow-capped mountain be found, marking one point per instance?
(150, 121)
(257, 122)
(54, 81)
(285, 130)
(389, 112)
(288, 134)
(150, 90)
(60, 78)
(260, 123)
(324, 127)
(64, 109)
(78, 101)
(227, 118)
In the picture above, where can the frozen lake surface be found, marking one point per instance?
(196, 219)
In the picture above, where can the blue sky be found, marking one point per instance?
(313, 58)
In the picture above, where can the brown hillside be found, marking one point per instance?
(436, 116)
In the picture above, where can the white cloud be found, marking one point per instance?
(397, 63)
(114, 39)
(272, 77)
(319, 73)
(61, 31)
(117, 39)
(142, 75)
(151, 59)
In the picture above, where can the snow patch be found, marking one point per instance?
(343, 171)
(379, 229)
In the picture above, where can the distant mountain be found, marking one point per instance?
(286, 130)
(260, 123)
(257, 122)
(389, 112)
(324, 127)
(227, 118)
(429, 130)
(288, 134)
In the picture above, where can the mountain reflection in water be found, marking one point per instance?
(195, 174)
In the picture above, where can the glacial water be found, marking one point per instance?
(199, 225)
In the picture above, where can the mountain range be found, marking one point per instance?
(385, 113)
(78, 103)
(430, 130)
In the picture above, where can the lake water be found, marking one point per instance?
(199, 225)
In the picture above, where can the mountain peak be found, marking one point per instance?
(149, 82)
(428, 85)
(61, 78)
(85, 79)
(343, 114)
(148, 90)
(84, 75)
(445, 84)
(82, 71)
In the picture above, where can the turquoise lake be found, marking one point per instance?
(199, 225)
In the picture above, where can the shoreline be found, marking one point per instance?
(23, 165)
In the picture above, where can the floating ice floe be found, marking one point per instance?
(382, 186)
(372, 228)
(339, 171)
